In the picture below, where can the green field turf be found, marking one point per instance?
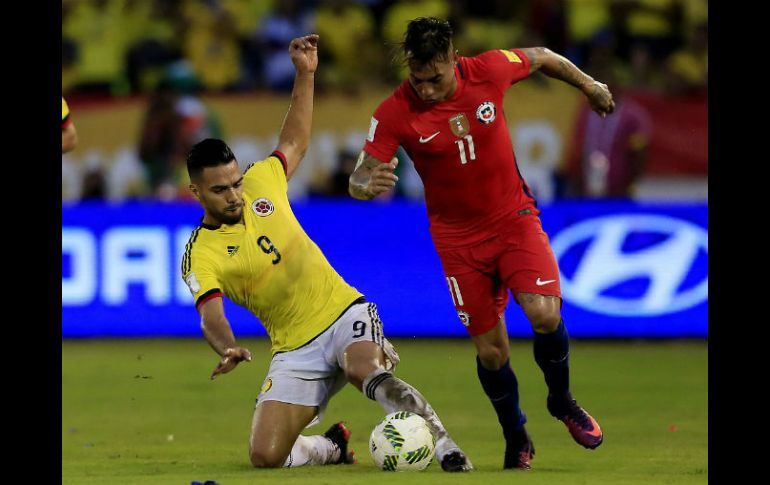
(144, 411)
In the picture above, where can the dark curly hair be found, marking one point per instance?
(427, 39)
(208, 153)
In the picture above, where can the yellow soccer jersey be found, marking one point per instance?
(65, 114)
(268, 264)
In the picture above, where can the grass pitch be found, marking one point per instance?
(145, 412)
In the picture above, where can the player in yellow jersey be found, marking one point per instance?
(69, 136)
(251, 248)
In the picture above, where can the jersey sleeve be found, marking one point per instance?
(200, 277)
(504, 67)
(383, 138)
(271, 171)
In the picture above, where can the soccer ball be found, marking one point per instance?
(402, 441)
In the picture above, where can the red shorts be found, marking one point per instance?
(518, 258)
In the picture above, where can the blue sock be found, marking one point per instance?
(502, 388)
(552, 355)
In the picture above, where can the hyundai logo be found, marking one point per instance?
(665, 273)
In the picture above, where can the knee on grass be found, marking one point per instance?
(261, 458)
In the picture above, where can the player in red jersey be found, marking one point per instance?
(483, 218)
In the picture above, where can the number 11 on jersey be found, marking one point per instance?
(471, 150)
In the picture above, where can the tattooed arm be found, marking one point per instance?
(559, 67)
(371, 177)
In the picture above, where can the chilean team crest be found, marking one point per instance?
(465, 317)
(262, 207)
(459, 125)
(486, 112)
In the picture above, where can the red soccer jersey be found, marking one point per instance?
(461, 148)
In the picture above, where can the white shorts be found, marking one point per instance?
(313, 373)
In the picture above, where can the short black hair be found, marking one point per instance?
(427, 39)
(210, 152)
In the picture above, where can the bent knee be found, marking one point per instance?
(266, 459)
(543, 313)
(493, 357)
(544, 320)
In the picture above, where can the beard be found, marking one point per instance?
(230, 217)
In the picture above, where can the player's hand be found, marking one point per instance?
(383, 179)
(232, 357)
(304, 53)
(600, 98)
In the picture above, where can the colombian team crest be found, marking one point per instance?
(486, 112)
(465, 317)
(460, 125)
(267, 385)
(262, 207)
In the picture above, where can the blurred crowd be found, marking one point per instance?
(172, 50)
(130, 46)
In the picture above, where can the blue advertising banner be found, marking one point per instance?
(627, 269)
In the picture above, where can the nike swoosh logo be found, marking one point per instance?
(559, 360)
(541, 283)
(426, 140)
(596, 432)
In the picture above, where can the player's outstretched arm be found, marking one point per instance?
(295, 132)
(372, 177)
(559, 67)
(220, 337)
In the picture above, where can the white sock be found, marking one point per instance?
(444, 445)
(312, 450)
(393, 394)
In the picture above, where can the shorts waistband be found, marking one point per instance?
(357, 301)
